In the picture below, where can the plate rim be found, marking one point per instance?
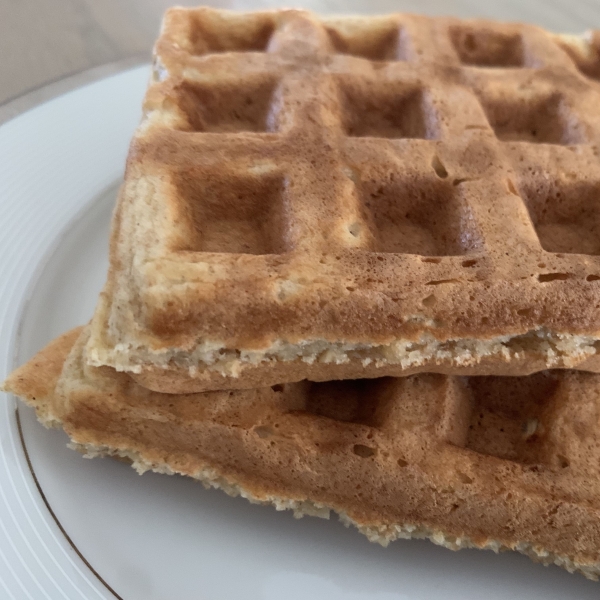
(75, 219)
(51, 512)
(11, 109)
(49, 90)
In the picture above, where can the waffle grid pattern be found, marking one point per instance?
(431, 89)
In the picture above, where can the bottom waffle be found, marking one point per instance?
(486, 462)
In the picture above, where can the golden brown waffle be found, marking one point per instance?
(490, 462)
(356, 197)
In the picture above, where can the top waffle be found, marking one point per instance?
(356, 197)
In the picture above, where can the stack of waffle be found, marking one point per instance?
(355, 266)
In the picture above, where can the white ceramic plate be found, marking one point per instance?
(72, 528)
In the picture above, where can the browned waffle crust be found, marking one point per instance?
(356, 197)
(489, 462)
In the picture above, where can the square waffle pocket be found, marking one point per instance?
(356, 197)
(503, 463)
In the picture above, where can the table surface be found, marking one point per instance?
(46, 40)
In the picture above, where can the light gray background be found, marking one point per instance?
(44, 40)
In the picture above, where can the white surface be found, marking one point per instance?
(156, 537)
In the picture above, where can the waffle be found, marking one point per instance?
(486, 462)
(356, 197)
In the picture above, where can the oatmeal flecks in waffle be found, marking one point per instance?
(486, 462)
(356, 197)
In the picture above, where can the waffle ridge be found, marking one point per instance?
(356, 182)
(487, 462)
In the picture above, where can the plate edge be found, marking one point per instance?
(13, 107)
